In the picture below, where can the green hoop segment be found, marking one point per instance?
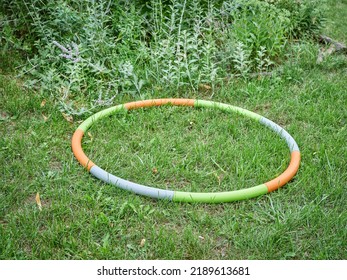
(178, 196)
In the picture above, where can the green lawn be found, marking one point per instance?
(183, 149)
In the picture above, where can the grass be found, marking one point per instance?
(335, 28)
(83, 218)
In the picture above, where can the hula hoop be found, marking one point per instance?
(179, 196)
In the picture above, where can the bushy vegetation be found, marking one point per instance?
(83, 53)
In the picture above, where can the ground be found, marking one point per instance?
(83, 218)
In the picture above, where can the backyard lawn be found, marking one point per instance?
(51, 208)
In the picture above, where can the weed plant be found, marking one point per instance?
(84, 53)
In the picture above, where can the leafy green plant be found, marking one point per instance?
(257, 28)
(306, 18)
(83, 54)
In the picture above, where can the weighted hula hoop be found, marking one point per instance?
(178, 196)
